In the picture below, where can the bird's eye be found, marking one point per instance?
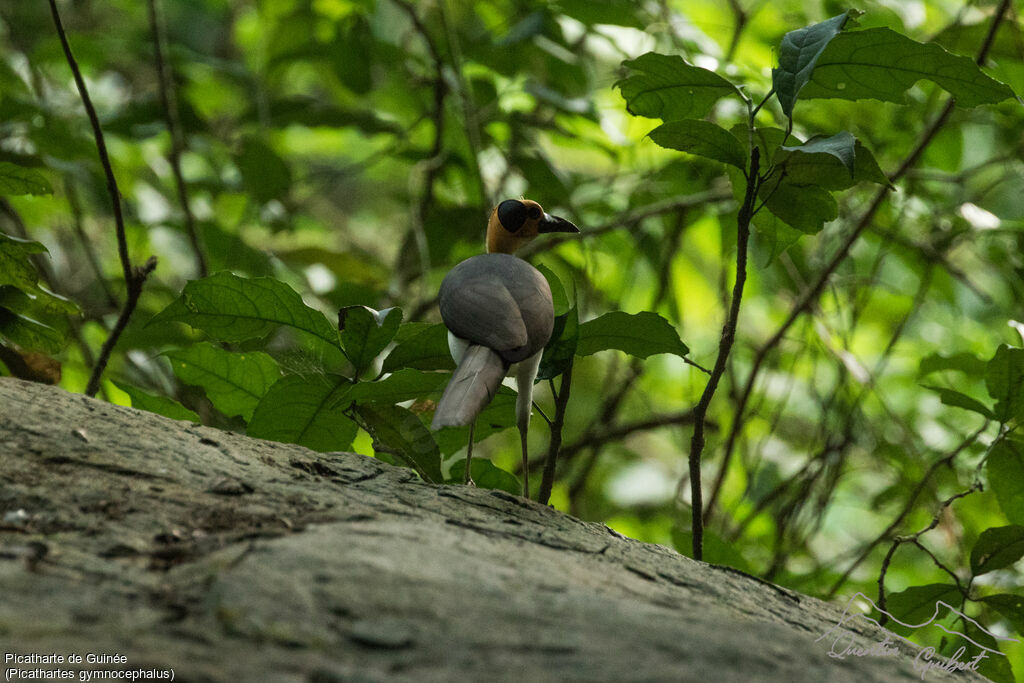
(534, 212)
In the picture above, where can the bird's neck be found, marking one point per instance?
(500, 241)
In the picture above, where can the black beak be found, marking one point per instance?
(551, 223)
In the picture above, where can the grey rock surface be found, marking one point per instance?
(226, 558)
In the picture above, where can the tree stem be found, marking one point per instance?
(743, 218)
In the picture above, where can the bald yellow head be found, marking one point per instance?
(515, 222)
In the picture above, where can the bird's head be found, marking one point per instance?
(515, 222)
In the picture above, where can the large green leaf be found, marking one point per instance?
(233, 309)
(997, 548)
(426, 349)
(30, 334)
(1004, 378)
(1005, 470)
(15, 267)
(702, 138)
(35, 299)
(666, 87)
(18, 180)
(918, 604)
(798, 54)
(804, 207)
(834, 163)
(306, 410)
(403, 385)
(365, 332)
(559, 300)
(234, 382)
(881, 64)
(1010, 606)
(161, 405)
(398, 432)
(641, 334)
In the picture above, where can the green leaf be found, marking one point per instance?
(234, 382)
(365, 332)
(403, 385)
(397, 431)
(30, 334)
(427, 349)
(1010, 606)
(18, 180)
(161, 405)
(952, 397)
(558, 298)
(818, 154)
(834, 163)
(1004, 378)
(918, 604)
(233, 309)
(966, 363)
(264, 173)
(994, 667)
(15, 267)
(702, 138)
(799, 53)
(35, 299)
(775, 235)
(486, 475)
(665, 87)
(1005, 467)
(306, 410)
(881, 64)
(997, 548)
(590, 12)
(804, 207)
(561, 348)
(642, 334)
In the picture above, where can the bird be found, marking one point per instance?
(499, 315)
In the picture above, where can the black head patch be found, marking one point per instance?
(512, 214)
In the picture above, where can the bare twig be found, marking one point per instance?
(555, 444)
(946, 460)
(169, 100)
(134, 277)
(432, 165)
(724, 347)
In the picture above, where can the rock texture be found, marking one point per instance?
(227, 558)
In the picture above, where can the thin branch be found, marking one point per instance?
(561, 401)
(169, 100)
(619, 432)
(432, 165)
(134, 277)
(811, 294)
(724, 347)
(946, 460)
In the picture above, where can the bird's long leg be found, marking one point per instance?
(526, 463)
(469, 453)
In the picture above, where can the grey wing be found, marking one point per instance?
(483, 311)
